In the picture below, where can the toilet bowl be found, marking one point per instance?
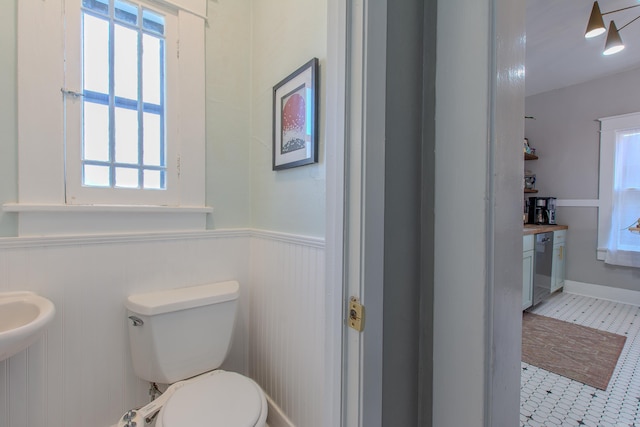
(221, 399)
(218, 398)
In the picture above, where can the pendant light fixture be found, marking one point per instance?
(614, 42)
(595, 27)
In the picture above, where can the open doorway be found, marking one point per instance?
(570, 84)
(476, 183)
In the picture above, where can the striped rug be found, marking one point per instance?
(574, 351)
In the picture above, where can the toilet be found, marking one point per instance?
(181, 337)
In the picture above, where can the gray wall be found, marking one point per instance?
(478, 231)
(461, 255)
(505, 229)
(427, 214)
(565, 135)
(402, 204)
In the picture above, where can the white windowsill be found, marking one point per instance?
(74, 220)
(30, 207)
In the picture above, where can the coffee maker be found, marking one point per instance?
(537, 210)
(551, 210)
(542, 210)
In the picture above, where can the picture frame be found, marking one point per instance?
(295, 118)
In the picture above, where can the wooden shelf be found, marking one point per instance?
(529, 156)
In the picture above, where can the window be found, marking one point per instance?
(619, 190)
(127, 135)
(122, 143)
(123, 112)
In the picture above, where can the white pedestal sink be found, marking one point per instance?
(24, 317)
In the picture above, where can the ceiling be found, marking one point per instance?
(557, 53)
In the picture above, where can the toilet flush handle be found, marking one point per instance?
(136, 321)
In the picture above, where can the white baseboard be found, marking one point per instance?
(276, 417)
(624, 296)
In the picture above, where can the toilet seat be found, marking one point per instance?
(224, 399)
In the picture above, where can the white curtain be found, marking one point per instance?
(623, 247)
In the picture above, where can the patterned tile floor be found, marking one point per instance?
(547, 399)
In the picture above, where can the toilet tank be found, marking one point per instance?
(179, 333)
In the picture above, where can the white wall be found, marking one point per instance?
(285, 35)
(566, 136)
(8, 116)
(250, 46)
(287, 324)
(80, 374)
(228, 73)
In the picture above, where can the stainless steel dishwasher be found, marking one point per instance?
(542, 260)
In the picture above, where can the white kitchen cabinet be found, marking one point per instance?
(559, 256)
(527, 270)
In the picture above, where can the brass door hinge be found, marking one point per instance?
(356, 314)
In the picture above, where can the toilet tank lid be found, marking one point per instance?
(168, 300)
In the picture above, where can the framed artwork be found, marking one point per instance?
(295, 118)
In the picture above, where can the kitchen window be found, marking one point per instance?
(619, 190)
(111, 116)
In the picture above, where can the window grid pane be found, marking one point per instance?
(628, 160)
(126, 143)
(627, 188)
(154, 179)
(99, 6)
(152, 140)
(127, 178)
(125, 62)
(96, 176)
(151, 62)
(126, 12)
(95, 141)
(118, 81)
(96, 54)
(152, 22)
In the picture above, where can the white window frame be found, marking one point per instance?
(609, 126)
(42, 61)
(78, 194)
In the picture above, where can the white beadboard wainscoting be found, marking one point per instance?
(79, 374)
(286, 326)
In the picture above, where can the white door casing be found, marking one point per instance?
(355, 127)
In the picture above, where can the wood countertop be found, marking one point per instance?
(536, 229)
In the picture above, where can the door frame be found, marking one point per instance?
(355, 211)
(336, 75)
(494, 350)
